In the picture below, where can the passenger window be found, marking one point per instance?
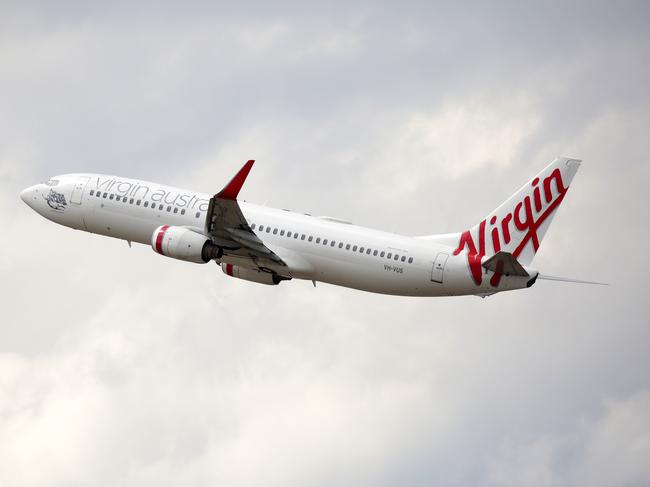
(117, 198)
(146, 204)
(175, 210)
(340, 245)
(382, 254)
(99, 193)
(333, 243)
(354, 248)
(253, 226)
(325, 242)
(403, 258)
(302, 237)
(295, 235)
(169, 208)
(92, 192)
(198, 214)
(161, 207)
(318, 240)
(261, 228)
(310, 238)
(347, 247)
(275, 231)
(138, 202)
(368, 251)
(361, 250)
(389, 255)
(410, 260)
(396, 257)
(131, 201)
(104, 195)
(111, 197)
(282, 233)
(289, 234)
(183, 211)
(375, 253)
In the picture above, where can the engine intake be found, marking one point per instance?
(184, 244)
(252, 275)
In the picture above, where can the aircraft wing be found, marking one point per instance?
(228, 228)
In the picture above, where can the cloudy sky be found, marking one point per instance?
(121, 367)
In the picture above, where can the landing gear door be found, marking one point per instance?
(78, 190)
(439, 267)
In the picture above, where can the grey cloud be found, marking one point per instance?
(119, 367)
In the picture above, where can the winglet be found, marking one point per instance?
(232, 189)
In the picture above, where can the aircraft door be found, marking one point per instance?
(78, 190)
(439, 267)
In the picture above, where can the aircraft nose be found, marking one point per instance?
(27, 195)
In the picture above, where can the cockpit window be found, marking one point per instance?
(52, 182)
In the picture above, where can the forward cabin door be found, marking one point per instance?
(78, 190)
(439, 267)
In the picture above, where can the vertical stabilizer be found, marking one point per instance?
(520, 223)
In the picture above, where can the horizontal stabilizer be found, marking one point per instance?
(566, 279)
(505, 263)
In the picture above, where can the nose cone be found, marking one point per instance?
(24, 195)
(28, 195)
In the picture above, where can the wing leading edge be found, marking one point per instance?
(229, 230)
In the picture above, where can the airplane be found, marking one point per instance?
(267, 245)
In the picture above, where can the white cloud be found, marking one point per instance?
(464, 135)
(611, 449)
(118, 366)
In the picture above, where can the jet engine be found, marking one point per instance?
(184, 244)
(252, 275)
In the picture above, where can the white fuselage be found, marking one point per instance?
(314, 248)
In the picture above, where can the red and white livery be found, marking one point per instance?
(268, 246)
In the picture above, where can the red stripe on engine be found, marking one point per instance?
(159, 238)
(229, 269)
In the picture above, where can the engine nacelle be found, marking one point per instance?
(252, 275)
(183, 244)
